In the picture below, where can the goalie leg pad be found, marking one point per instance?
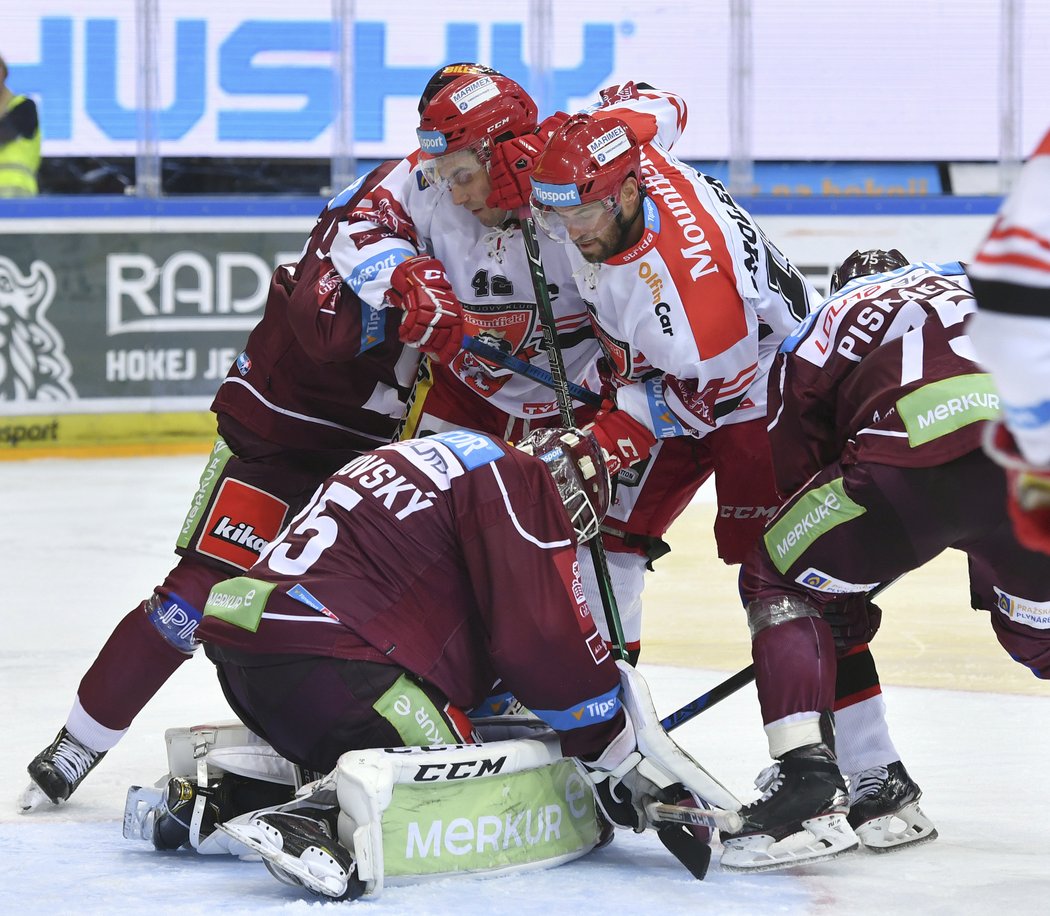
(505, 806)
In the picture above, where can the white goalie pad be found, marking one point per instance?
(498, 807)
(661, 756)
(227, 747)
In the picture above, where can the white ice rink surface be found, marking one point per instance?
(83, 541)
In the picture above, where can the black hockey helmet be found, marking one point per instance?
(865, 263)
(575, 461)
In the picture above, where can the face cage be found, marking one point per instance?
(474, 159)
(584, 520)
(588, 220)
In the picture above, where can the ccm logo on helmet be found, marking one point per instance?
(556, 195)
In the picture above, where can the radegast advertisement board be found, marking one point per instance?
(100, 330)
(258, 77)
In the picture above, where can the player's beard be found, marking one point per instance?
(614, 239)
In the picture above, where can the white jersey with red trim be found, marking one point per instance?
(488, 268)
(1011, 330)
(691, 316)
(490, 274)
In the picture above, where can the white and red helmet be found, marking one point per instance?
(475, 111)
(575, 461)
(586, 159)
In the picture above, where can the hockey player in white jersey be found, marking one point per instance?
(1011, 330)
(691, 302)
(439, 238)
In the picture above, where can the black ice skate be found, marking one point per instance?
(300, 851)
(884, 809)
(57, 771)
(800, 818)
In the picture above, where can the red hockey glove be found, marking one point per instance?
(433, 319)
(623, 439)
(512, 163)
(1027, 489)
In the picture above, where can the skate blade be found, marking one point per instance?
(315, 870)
(140, 811)
(32, 798)
(907, 827)
(821, 838)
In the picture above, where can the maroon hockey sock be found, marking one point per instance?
(132, 666)
(794, 668)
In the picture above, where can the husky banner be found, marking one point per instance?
(808, 80)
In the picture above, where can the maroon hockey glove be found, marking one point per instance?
(623, 439)
(1027, 489)
(854, 621)
(512, 163)
(433, 319)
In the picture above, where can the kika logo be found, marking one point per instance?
(240, 533)
(33, 363)
(242, 520)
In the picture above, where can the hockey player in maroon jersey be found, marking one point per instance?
(877, 411)
(1011, 330)
(419, 575)
(690, 301)
(322, 378)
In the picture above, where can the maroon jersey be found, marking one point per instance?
(883, 372)
(450, 556)
(322, 369)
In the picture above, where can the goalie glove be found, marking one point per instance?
(643, 764)
(643, 768)
(513, 162)
(1027, 489)
(623, 439)
(433, 319)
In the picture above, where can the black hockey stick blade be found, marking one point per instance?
(692, 852)
(715, 695)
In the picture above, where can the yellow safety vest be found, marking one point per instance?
(19, 162)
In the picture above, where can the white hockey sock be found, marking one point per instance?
(862, 737)
(627, 577)
(89, 732)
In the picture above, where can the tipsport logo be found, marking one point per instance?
(270, 81)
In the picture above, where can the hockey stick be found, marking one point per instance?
(497, 356)
(550, 344)
(731, 684)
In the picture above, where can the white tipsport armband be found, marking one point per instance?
(498, 807)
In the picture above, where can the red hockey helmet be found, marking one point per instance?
(866, 263)
(581, 170)
(575, 461)
(446, 74)
(470, 116)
